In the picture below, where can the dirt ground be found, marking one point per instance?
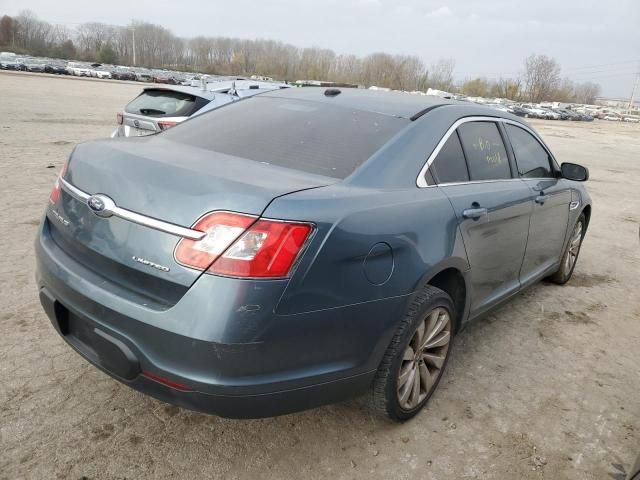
(546, 387)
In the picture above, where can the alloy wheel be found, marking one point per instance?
(424, 358)
(574, 248)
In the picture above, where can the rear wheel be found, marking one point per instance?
(414, 361)
(570, 257)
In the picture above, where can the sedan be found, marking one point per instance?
(516, 110)
(302, 246)
(35, 66)
(99, 73)
(78, 69)
(164, 78)
(569, 114)
(10, 64)
(56, 68)
(123, 74)
(550, 114)
(532, 111)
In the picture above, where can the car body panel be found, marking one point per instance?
(548, 226)
(344, 240)
(495, 243)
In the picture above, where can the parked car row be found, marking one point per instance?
(618, 117)
(11, 61)
(529, 110)
(577, 113)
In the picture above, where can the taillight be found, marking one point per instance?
(221, 228)
(239, 246)
(55, 192)
(268, 249)
(167, 124)
(119, 118)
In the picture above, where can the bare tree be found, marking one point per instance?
(92, 36)
(31, 33)
(476, 87)
(541, 77)
(510, 88)
(586, 92)
(440, 75)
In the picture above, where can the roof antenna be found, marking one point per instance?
(332, 92)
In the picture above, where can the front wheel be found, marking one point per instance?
(570, 257)
(414, 361)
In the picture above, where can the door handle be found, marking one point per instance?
(541, 198)
(474, 213)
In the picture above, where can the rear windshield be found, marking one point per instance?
(164, 103)
(312, 137)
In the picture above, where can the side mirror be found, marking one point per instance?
(573, 171)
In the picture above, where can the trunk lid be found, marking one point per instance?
(162, 180)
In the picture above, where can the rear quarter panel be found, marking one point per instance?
(418, 225)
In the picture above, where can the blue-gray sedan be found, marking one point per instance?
(302, 246)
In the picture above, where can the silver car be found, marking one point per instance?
(160, 107)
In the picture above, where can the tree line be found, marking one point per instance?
(158, 47)
(541, 81)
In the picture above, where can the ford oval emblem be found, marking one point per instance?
(96, 203)
(101, 205)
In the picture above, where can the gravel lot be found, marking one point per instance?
(546, 387)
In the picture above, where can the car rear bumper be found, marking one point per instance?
(121, 359)
(127, 131)
(216, 356)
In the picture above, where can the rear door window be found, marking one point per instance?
(531, 157)
(486, 155)
(164, 103)
(450, 165)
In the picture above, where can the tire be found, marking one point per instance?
(404, 360)
(571, 252)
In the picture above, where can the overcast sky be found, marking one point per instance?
(593, 40)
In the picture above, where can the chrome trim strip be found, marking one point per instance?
(472, 182)
(134, 217)
(160, 225)
(75, 192)
(421, 181)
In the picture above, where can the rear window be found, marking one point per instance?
(164, 103)
(312, 137)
